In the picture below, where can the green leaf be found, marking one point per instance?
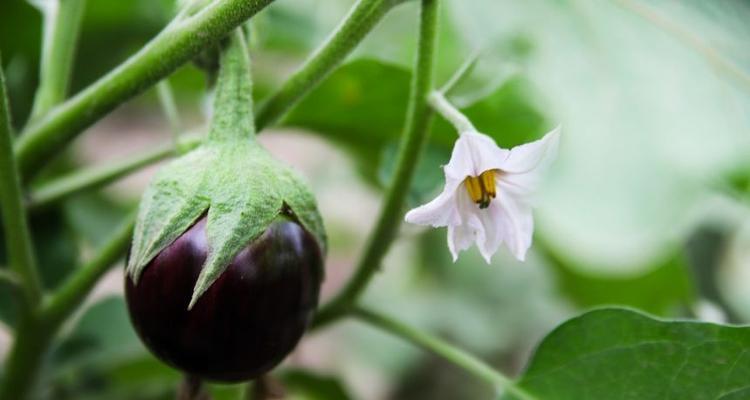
(306, 385)
(170, 205)
(623, 354)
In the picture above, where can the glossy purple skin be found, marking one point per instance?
(247, 321)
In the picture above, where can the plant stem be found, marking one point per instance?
(95, 177)
(17, 237)
(26, 353)
(458, 357)
(412, 144)
(451, 113)
(72, 293)
(361, 19)
(233, 119)
(175, 45)
(62, 21)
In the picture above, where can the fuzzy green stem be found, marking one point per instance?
(361, 19)
(451, 113)
(17, 237)
(176, 44)
(412, 144)
(96, 177)
(458, 357)
(21, 367)
(233, 97)
(30, 341)
(62, 21)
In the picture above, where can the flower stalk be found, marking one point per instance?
(451, 113)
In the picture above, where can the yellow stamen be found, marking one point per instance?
(481, 189)
(488, 182)
(474, 187)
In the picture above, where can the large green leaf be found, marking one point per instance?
(623, 354)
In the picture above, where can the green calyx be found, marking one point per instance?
(231, 177)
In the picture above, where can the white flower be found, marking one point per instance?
(487, 195)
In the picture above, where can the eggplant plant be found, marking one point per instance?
(565, 142)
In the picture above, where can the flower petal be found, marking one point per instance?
(534, 155)
(460, 238)
(473, 154)
(469, 229)
(491, 218)
(517, 224)
(441, 211)
(520, 186)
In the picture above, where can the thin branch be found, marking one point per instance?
(17, 237)
(462, 72)
(458, 357)
(176, 44)
(412, 144)
(62, 21)
(96, 177)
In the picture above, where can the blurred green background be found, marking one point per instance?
(646, 206)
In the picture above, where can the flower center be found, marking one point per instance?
(481, 188)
